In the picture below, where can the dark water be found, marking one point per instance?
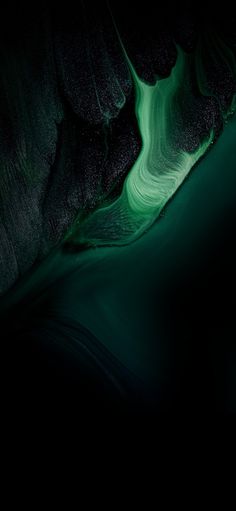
(147, 326)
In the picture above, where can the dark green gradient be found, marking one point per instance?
(128, 298)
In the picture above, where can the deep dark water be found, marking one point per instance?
(164, 307)
(146, 328)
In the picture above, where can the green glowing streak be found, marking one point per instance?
(159, 170)
(161, 167)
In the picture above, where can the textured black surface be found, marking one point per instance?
(68, 133)
(68, 137)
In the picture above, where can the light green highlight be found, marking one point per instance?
(160, 168)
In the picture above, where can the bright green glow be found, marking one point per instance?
(160, 168)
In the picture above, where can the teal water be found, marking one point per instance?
(127, 297)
